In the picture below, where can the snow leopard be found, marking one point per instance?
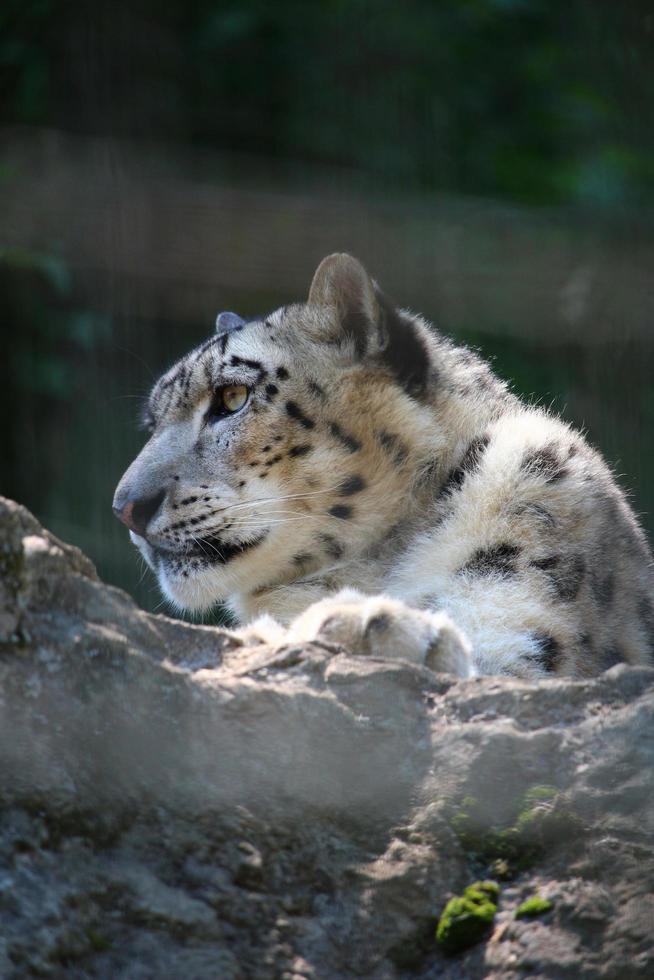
(340, 472)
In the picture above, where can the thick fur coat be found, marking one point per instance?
(378, 487)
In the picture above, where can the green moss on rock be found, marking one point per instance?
(466, 918)
(532, 907)
(542, 818)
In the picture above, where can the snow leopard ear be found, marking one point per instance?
(226, 322)
(358, 309)
(342, 285)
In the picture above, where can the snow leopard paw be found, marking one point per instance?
(383, 627)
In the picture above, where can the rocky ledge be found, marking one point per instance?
(177, 805)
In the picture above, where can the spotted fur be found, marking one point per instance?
(483, 535)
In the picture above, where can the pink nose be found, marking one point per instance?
(125, 515)
(136, 513)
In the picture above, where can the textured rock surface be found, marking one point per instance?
(176, 805)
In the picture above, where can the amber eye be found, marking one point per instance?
(234, 397)
(227, 401)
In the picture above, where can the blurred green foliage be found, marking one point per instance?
(540, 102)
(532, 100)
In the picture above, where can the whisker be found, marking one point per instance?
(257, 525)
(254, 520)
(201, 542)
(279, 517)
(137, 357)
(270, 513)
(282, 499)
(247, 526)
(144, 570)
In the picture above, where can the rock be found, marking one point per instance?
(176, 804)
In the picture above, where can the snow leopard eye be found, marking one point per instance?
(227, 401)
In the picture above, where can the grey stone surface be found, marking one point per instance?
(176, 805)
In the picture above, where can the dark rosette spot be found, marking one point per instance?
(499, 559)
(470, 462)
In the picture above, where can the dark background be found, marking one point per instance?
(491, 161)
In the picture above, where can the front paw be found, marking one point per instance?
(383, 627)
